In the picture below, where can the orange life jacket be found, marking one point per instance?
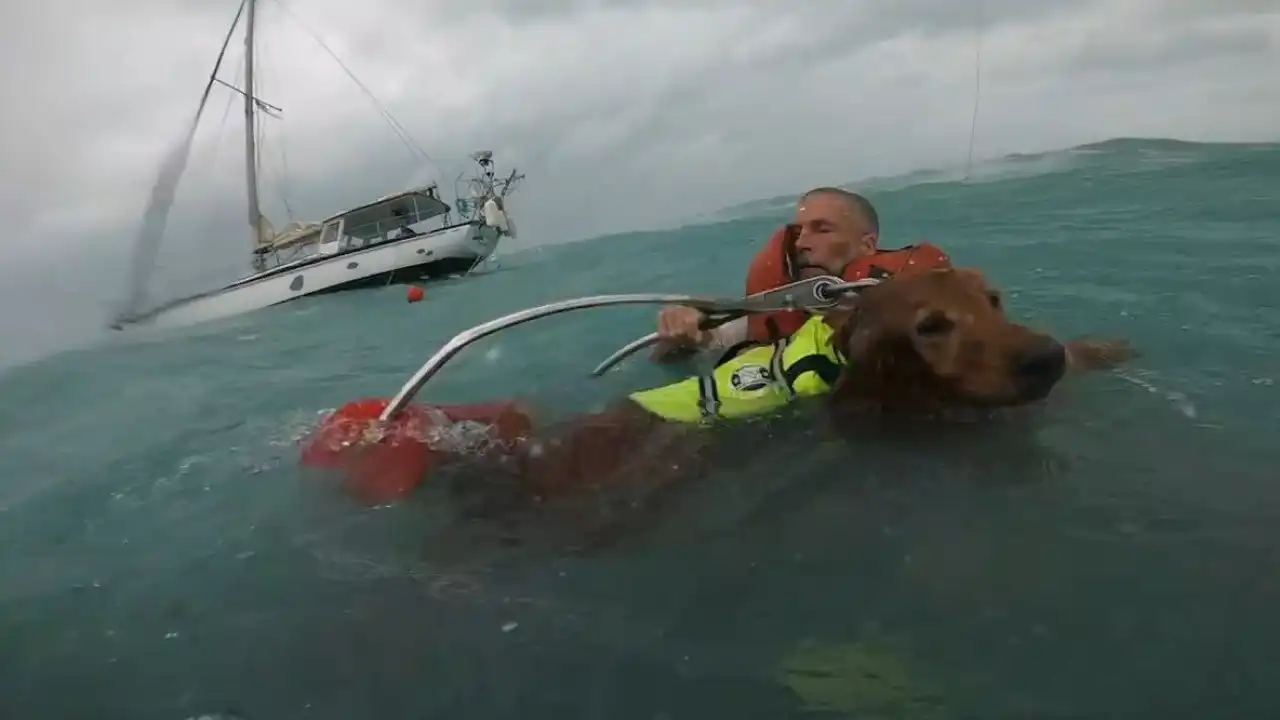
(774, 266)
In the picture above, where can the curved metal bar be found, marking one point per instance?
(466, 337)
(812, 294)
(835, 288)
(624, 352)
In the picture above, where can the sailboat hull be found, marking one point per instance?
(442, 252)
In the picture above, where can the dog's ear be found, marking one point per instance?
(972, 280)
(854, 329)
(842, 320)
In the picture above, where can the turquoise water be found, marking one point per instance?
(163, 556)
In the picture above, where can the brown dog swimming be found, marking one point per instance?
(916, 343)
(940, 339)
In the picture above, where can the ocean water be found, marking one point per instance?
(163, 556)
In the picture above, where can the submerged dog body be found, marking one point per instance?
(916, 343)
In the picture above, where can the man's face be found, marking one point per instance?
(832, 234)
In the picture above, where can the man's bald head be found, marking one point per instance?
(835, 228)
(856, 203)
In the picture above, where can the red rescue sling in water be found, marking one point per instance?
(383, 462)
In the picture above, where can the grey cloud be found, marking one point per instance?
(1184, 45)
(882, 17)
(60, 132)
(1192, 9)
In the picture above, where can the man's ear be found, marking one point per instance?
(868, 243)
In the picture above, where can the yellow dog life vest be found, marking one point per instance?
(753, 382)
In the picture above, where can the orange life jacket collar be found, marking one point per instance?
(775, 265)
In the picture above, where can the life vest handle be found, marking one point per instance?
(811, 294)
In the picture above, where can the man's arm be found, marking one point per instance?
(728, 334)
(719, 338)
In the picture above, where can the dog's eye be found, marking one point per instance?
(934, 325)
(994, 299)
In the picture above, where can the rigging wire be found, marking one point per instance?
(396, 127)
(258, 90)
(231, 98)
(284, 179)
(279, 175)
(977, 84)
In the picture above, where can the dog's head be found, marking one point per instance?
(940, 338)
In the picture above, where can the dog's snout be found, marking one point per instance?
(1042, 365)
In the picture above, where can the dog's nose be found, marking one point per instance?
(1041, 366)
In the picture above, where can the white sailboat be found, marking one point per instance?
(407, 236)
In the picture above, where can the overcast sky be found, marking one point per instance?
(623, 113)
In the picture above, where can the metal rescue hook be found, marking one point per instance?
(816, 293)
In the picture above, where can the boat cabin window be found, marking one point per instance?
(382, 229)
(396, 219)
(330, 232)
(331, 238)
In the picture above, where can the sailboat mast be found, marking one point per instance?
(250, 132)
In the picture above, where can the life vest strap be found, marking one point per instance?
(734, 350)
(825, 368)
(708, 395)
(776, 369)
(783, 377)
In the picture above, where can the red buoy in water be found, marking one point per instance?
(415, 293)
